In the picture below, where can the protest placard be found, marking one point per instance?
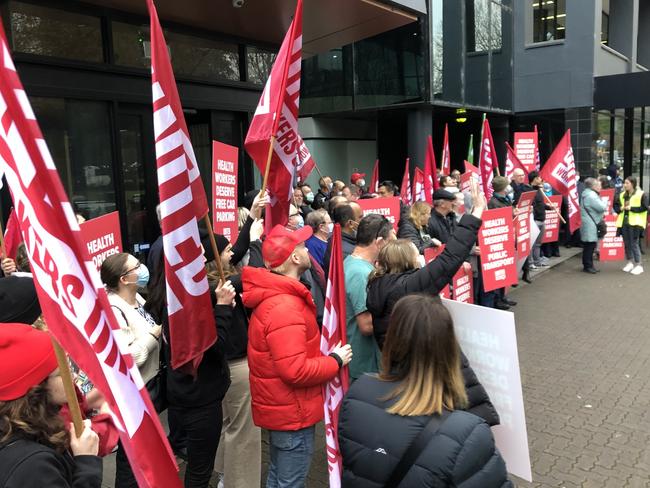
(431, 253)
(607, 196)
(497, 245)
(522, 224)
(611, 248)
(102, 237)
(224, 190)
(471, 171)
(488, 338)
(463, 285)
(552, 222)
(526, 149)
(388, 207)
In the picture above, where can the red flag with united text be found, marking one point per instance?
(277, 115)
(431, 182)
(12, 236)
(405, 190)
(446, 156)
(487, 160)
(71, 295)
(182, 201)
(332, 333)
(560, 172)
(374, 181)
(418, 185)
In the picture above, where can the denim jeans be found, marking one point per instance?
(631, 240)
(291, 453)
(537, 245)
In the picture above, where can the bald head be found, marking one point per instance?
(518, 176)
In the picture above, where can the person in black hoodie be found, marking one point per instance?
(36, 449)
(411, 392)
(396, 278)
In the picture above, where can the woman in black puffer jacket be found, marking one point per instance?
(460, 453)
(397, 275)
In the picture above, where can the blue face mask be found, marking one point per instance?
(301, 222)
(309, 197)
(143, 276)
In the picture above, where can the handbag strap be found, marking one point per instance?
(415, 449)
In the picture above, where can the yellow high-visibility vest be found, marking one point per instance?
(638, 219)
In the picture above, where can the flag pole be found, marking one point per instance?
(268, 164)
(68, 386)
(213, 244)
(3, 251)
(548, 200)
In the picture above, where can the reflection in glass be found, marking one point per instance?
(636, 143)
(326, 84)
(602, 143)
(619, 137)
(78, 136)
(549, 20)
(52, 32)
(258, 64)
(483, 25)
(437, 47)
(646, 150)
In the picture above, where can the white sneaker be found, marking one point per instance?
(628, 267)
(638, 269)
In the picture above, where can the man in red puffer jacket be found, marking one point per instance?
(287, 369)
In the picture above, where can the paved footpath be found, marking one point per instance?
(584, 348)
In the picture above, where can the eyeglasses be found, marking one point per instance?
(131, 270)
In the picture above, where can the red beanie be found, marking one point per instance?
(26, 359)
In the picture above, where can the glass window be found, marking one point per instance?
(483, 25)
(190, 55)
(258, 64)
(326, 84)
(646, 151)
(549, 20)
(602, 125)
(604, 28)
(51, 32)
(78, 135)
(619, 137)
(636, 142)
(437, 48)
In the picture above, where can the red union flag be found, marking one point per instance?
(446, 158)
(374, 181)
(277, 115)
(333, 332)
(12, 236)
(487, 160)
(431, 182)
(560, 172)
(70, 292)
(405, 189)
(512, 163)
(182, 202)
(418, 185)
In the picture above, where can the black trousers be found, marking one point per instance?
(588, 249)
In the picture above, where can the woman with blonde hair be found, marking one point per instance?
(425, 439)
(414, 227)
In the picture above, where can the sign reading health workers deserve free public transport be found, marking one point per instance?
(388, 207)
(488, 338)
(497, 245)
(522, 224)
(224, 190)
(552, 221)
(102, 237)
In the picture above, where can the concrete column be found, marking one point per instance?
(420, 125)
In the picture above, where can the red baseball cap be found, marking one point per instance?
(356, 176)
(281, 242)
(26, 359)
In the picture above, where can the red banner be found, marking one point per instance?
(526, 149)
(512, 163)
(496, 241)
(374, 181)
(607, 196)
(224, 190)
(560, 172)
(71, 295)
(431, 182)
(552, 222)
(418, 185)
(389, 207)
(471, 171)
(611, 247)
(405, 189)
(333, 333)
(464, 285)
(445, 168)
(12, 237)
(487, 162)
(430, 254)
(522, 224)
(102, 237)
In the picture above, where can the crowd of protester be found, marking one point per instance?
(266, 371)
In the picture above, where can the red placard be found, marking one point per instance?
(102, 237)
(607, 196)
(471, 171)
(388, 207)
(496, 241)
(552, 222)
(522, 224)
(611, 247)
(224, 190)
(463, 285)
(431, 253)
(526, 149)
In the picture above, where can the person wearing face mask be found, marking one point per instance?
(296, 220)
(359, 180)
(123, 274)
(299, 201)
(308, 196)
(348, 217)
(322, 226)
(324, 192)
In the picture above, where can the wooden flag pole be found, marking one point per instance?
(68, 386)
(3, 251)
(213, 243)
(548, 200)
(268, 165)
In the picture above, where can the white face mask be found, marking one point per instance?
(361, 183)
(330, 227)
